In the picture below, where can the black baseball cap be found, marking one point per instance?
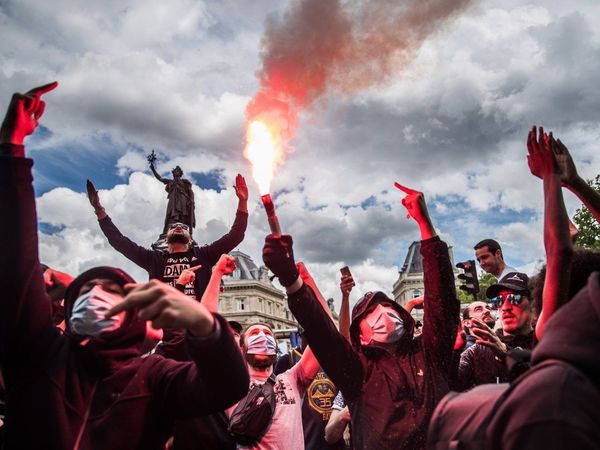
(513, 281)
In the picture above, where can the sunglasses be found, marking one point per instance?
(513, 299)
(182, 225)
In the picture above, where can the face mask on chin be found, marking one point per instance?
(87, 318)
(261, 344)
(385, 325)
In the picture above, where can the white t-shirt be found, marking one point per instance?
(285, 432)
(506, 271)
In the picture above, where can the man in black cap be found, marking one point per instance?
(484, 362)
(88, 388)
(390, 380)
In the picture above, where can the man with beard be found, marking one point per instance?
(180, 255)
(260, 350)
(484, 362)
(390, 379)
(477, 310)
(88, 388)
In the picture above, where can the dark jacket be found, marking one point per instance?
(63, 395)
(391, 397)
(479, 364)
(167, 267)
(558, 407)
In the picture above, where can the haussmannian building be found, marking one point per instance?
(410, 280)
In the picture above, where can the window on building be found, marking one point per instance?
(236, 274)
(240, 302)
(416, 293)
(260, 304)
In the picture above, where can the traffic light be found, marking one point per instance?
(469, 276)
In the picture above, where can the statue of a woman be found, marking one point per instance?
(181, 197)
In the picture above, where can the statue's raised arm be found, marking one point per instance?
(151, 158)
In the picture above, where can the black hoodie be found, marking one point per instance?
(62, 395)
(390, 396)
(558, 406)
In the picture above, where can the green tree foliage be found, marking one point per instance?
(589, 230)
(485, 281)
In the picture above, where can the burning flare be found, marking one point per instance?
(264, 152)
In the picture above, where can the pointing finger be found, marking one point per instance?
(404, 188)
(41, 90)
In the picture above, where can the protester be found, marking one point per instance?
(491, 259)
(317, 405)
(182, 263)
(390, 381)
(477, 310)
(88, 388)
(484, 362)
(180, 255)
(259, 348)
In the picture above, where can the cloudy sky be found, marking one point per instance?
(450, 119)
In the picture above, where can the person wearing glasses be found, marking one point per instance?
(186, 267)
(173, 266)
(484, 362)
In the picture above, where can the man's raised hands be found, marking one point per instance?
(23, 114)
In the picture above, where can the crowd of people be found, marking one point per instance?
(98, 361)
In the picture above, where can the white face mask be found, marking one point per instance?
(386, 326)
(87, 318)
(261, 344)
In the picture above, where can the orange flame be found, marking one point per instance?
(264, 151)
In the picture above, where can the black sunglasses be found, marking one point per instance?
(182, 225)
(513, 299)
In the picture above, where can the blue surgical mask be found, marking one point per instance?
(261, 344)
(87, 318)
(386, 326)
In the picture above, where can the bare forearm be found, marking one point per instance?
(559, 251)
(334, 430)
(588, 195)
(242, 205)
(210, 298)
(345, 316)
(427, 229)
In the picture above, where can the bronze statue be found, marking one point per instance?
(181, 197)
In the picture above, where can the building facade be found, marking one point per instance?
(410, 282)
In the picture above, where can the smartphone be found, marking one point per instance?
(345, 271)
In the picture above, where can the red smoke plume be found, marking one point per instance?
(322, 47)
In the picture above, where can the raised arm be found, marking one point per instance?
(157, 175)
(441, 305)
(333, 351)
(572, 181)
(557, 240)
(132, 251)
(26, 326)
(346, 285)
(210, 298)
(228, 242)
(308, 360)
